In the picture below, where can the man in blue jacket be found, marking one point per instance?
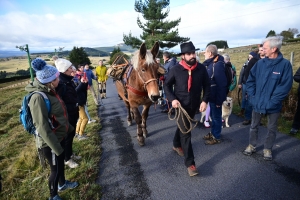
(268, 83)
(189, 78)
(218, 92)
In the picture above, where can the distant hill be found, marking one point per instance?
(122, 46)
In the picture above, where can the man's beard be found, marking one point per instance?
(190, 62)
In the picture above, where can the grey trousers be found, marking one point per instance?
(272, 129)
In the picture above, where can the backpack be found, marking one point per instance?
(230, 74)
(25, 114)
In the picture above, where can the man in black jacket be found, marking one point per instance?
(296, 122)
(253, 58)
(189, 78)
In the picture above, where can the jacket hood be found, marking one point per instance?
(274, 61)
(210, 60)
(37, 86)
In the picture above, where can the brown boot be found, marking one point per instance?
(241, 113)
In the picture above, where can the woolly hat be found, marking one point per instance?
(62, 64)
(44, 73)
(252, 53)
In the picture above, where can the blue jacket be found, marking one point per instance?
(268, 83)
(90, 75)
(169, 64)
(218, 80)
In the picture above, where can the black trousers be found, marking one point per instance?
(296, 122)
(184, 140)
(70, 137)
(57, 169)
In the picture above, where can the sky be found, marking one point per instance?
(48, 25)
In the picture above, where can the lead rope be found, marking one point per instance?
(181, 113)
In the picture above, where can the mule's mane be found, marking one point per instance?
(135, 59)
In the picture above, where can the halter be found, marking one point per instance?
(146, 82)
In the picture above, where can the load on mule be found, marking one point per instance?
(138, 85)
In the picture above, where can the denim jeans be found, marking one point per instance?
(272, 129)
(216, 117)
(248, 106)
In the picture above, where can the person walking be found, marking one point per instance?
(269, 82)
(90, 75)
(188, 78)
(50, 139)
(218, 92)
(102, 78)
(253, 58)
(67, 92)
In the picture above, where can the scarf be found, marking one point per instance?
(190, 69)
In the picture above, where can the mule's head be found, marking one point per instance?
(144, 63)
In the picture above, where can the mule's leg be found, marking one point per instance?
(144, 119)
(129, 119)
(138, 120)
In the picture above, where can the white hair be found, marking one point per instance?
(136, 56)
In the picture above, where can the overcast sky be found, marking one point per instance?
(47, 25)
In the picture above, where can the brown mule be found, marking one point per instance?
(141, 88)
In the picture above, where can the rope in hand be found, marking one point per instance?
(181, 113)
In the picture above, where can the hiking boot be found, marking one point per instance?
(241, 113)
(178, 150)
(74, 157)
(164, 111)
(267, 154)
(294, 131)
(67, 185)
(208, 136)
(82, 137)
(71, 163)
(91, 121)
(192, 170)
(212, 141)
(206, 124)
(246, 122)
(249, 150)
(55, 198)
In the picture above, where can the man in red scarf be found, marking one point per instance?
(188, 78)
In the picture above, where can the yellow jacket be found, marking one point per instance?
(101, 73)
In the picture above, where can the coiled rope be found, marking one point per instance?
(181, 113)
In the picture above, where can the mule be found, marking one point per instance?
(140, 88)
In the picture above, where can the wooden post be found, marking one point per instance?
(292, 58)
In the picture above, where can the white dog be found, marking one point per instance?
(227, 109)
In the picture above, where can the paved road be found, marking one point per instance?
(155, 172)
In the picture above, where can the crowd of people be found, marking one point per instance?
(66, 88)
(265, 79)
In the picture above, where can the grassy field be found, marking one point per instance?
(23, 177)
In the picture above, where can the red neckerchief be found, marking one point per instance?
(190, 69)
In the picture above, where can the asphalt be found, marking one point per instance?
(155, 171)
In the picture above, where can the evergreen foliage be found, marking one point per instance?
(78, 56)
(156, 27)
(220, 44)
(271, 33)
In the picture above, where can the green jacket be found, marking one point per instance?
(58, 115)
(233, 84)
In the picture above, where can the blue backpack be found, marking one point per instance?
(25, 114)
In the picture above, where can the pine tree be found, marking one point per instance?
(156, 27)
(271, 33)
(79, 56)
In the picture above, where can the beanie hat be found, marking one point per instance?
(252, 53)
(44, 73)
(62, 64)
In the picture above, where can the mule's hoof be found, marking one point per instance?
(141, 141)
(145, 133)
(129, 123)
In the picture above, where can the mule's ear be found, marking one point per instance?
(155, 50)
(143, 51)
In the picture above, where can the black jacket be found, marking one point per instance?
(297, 78)
(178, 76)
(247, 69)
(67, 92)
(81, 90)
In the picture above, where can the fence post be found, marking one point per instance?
(292, 58)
